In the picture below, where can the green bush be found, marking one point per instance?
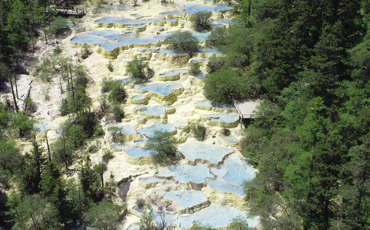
(218, 37)
(31, 106)
(194, 68)
(225, 84)
(140, 203)
(200, 21)
(199, 132)
(182, 41)
(164, 144)
(226, 132)
(117, 93)
(57, 50)
(118, 113)
(85, 51)
(107, 84)
(215, 63)
(23, 124)
(136, 68)
(110, 66)
(58, 26)
(107, 155)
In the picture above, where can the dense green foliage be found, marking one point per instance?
(200, 21)
(308, 61)
(58, 26)
(182, 42)
(163, 143)
(136, 68)
(199, 132)
(194, 68)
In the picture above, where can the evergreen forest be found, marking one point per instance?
(309, 61)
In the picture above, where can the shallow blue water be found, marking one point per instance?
(155, 110)
(185, 173)
(134, 151)
(198, 7)
(184, 198)
(149, 131)
(193, 150)
(159, 88)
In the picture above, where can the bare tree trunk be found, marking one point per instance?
(47, 142)
(14, 99)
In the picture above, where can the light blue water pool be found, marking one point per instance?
(221, 184)
(193, 150)
(201, 36)
(199, 60)
(194, 8)
(225, 118)
(169, 51)
(124, 129)
(126, 41)
(174, 12)
(235, 170)
(156, 110)
(137, 27)
(42, 125)
(172, 19)
(220, 105)
(185, 173)
(151, 180)
(204, 104)
(184, 198)
(215, 216)
(174, 72)
(128, 80)
(134, 151)
(210, 51)
(138, 97)
(149, 131)
(127, 21)
(159, 88)
(99, 36)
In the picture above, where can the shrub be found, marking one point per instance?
(218, 37)
(147, 223)
(225, 84)
(136, 68)
(140, 203)
(107, 155)
(118, 113)
(164, 144)
(182, 41)
(23, 124)
(194, 68)
(85, 51)
(117, 93)
(199, 132)
(110, 66)
(31, 106)
(200, 21)
(107, 84)
(226, 132)
(214, 64)
(58, 26)
(57, 50)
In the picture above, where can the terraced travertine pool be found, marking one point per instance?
(206, 185)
